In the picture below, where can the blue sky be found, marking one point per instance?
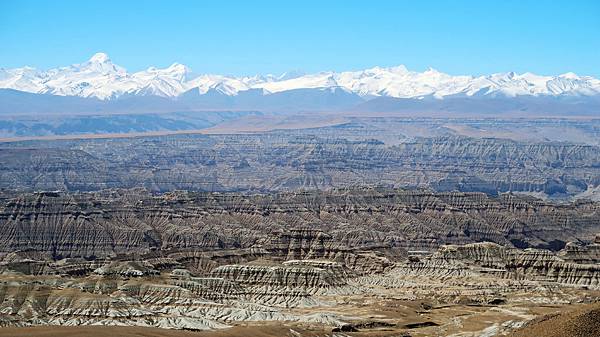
(258, 37)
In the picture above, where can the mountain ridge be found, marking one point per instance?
(100, 78)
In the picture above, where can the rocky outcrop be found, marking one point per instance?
(528, 264)
(291, 285)
(139, 302)
(126, 269)
(581, 253)
(286, 276)
(367, 152)
(485, 254)
(312, 244)
(201, 262)
(366, 229)
(543, 265)
(210, 288)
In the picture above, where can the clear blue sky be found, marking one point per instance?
(257, 37)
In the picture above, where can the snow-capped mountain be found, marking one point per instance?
(100, 78)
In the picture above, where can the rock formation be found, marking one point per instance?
(363, 228)
(365, 152)
(367, 259)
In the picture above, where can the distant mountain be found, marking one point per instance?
(485, 106)
(14, 102)
(100, 78)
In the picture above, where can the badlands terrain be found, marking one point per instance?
(303, 225)
(343, 262)
(362, 198)
(547, 158)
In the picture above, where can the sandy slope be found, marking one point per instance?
(581, 322)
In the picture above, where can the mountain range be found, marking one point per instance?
(99, 77)
(98, 86)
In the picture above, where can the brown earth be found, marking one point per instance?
(583, 321)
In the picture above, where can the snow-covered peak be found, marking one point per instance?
(99, 63)
(176, 71)
(223, 84)
(24, 79)
(569, 75)
(100, 77)
(288, 75)
(99, 58)
(178, 67)
(400, 69)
